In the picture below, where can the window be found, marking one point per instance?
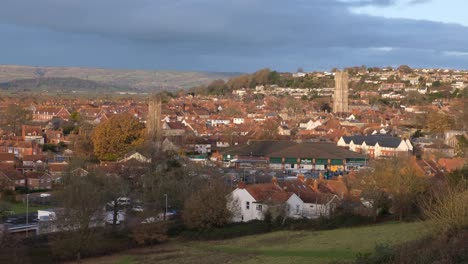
(259, 207)
(247, 205)
(298, 209)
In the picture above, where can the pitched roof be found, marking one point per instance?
(304, 191)
(293, 149)
(438, 146)
(30, 129)
(34, 158)
(7, 157)
(371, 140)
(316, 150)
(452, 164)
(58, 167)
(48, 109)
(11, 173)
(35, 174)
(258, 148)
(267, 192)
(338, 187)
(176, 125)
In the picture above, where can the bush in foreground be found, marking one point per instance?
(441, 250)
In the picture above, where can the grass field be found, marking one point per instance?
(274, 248)
(20, 208)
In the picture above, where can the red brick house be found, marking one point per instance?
(38, 180)
(19, 148)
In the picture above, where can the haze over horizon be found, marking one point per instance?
(241, 36)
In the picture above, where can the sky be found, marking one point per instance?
(234, 36)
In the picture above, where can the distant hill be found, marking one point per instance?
(68, 84)
(142, 80)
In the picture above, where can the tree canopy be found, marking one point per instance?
(400, 178)
(116, 136)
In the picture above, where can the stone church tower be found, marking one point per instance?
(153, 123)
(340, 97)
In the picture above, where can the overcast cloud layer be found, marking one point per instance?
(214, 35)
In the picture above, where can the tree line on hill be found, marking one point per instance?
(267, 77)
(262, 77)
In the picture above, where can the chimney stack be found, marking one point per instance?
(316, 184)
(241, 185)
(300, 177)
(321, 177)
(274, 180)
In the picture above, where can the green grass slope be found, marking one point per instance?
(277, 247)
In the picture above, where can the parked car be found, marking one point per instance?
(110, 218)
(137, 208)
(121, 201)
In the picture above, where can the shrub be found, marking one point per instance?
(448, 212)
(440, 249)
(150, 234)
(229, 231)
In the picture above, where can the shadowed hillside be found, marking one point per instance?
(60, 84)
(142, 80)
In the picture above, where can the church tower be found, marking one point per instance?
(340, 97)
(153, 123)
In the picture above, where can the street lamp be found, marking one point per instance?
(27, 213)
(165, 212)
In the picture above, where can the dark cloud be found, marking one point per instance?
(417, 2)
(240, 35)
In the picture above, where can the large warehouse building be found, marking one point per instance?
(284, 155)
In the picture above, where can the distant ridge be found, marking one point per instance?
(141, 80)
(66, 84)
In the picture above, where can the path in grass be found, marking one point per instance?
(277, 247)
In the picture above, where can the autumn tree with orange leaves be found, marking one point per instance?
(400, 178)
(117, 136)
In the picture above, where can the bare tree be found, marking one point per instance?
(115, 188)
(15, 116)
(276, 211)
(82, 200)
(207, 207)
